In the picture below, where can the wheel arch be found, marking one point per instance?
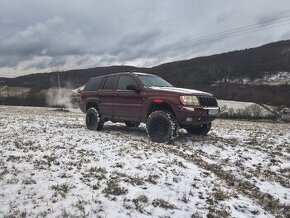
(90, 104)
(153, 106)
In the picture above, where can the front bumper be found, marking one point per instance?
(189, 116)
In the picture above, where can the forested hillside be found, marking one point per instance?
(257, 74)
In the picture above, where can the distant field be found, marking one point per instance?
(13, 91)
(252, 108)
(51, 165)
(52, 97)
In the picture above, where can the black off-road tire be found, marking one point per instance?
(132, 124)
(161, 126)
(93, 119)
(199, 130)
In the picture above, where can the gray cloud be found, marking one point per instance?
(54, 37)
(272, 16)
(45, 62)
(40, 36)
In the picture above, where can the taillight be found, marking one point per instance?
(82, 97)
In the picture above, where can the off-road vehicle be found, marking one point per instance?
(133, 98)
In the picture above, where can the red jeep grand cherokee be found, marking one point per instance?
(133, 98)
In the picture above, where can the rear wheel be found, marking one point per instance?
(93, 120)
(132, 124)
(161, 126)
(199, 130)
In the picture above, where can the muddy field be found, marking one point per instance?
(51, 165)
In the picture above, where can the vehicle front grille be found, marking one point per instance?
(208, 101)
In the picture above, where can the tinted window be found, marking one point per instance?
(109, 83)
(124, 81)
(93, 84)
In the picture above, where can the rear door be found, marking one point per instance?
(106, 95)
(129, 103)
(91, 91)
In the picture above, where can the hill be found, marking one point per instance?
(260, 74)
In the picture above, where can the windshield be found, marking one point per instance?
(150, 81)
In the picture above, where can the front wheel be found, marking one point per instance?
(199, 130)
(93, 120)
(161, 126)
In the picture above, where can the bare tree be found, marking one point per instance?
(256, 110)
(231, 112)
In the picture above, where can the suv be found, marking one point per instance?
(133, 98)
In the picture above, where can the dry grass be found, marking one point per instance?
(163, 204)
(140, 203)
(113, 188)
(62, 189)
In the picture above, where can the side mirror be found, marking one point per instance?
(132, 87)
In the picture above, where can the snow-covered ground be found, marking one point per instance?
(51, 165)
(240, 106)
(276, 79)
(280, 78)
(236, 105)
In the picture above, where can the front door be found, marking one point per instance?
(128, 103)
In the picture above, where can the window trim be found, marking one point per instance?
(104, 82)
(97, 88)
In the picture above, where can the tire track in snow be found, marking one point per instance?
(266, 201)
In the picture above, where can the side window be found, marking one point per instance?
(109, 83)
(124, 81)
(93, 84)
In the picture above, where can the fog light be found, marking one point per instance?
(188, 119)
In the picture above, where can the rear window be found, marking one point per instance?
(93, 84)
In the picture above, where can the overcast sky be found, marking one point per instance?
(51, 35)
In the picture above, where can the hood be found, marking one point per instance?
(181, 90)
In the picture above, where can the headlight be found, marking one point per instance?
(189, 100)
